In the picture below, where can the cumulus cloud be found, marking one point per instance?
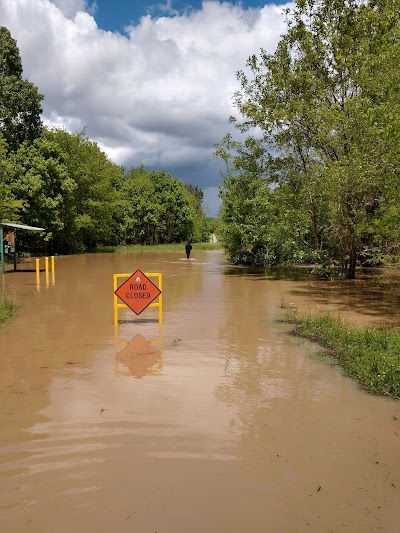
(159, 95)
(71, 7)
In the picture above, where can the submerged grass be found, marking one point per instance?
(371, 356)
(7, 309)
(176, 247)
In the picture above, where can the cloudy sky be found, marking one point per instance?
(151, 82)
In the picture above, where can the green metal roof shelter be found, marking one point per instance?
(8, 241)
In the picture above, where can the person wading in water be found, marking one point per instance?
(188, 249)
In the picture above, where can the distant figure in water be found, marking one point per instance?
(188, 249)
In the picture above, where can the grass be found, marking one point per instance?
(371, 356)
(7, 309)
(159, 248)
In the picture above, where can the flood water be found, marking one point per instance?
(230, 425)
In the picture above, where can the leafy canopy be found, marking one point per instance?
(321, 119)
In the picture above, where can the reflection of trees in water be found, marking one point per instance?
(375, 295)
(247, 358)
(266, 381)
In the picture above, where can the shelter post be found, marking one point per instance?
(15, 250)
(3, 265)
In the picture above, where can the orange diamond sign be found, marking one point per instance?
(137, 292)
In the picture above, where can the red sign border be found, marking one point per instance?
(127, 279)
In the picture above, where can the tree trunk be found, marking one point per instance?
(351, 271)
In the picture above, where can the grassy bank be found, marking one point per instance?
(371, 356)
(7, 309)
(197, 246)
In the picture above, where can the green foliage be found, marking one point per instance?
(372, 356)
(91, 210)
(159, 209)
(212, 224)
(38, 177)
(327, 106)
(10, 206)
(10, 59)
(20, 107)
(177, 214)
(140, 213)
(67, 186)
(253, 228)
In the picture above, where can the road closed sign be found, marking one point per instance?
(137, 292)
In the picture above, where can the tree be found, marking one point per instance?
(176, 212)
(90, 211)
(10, 59)
(327, 106)
(68, 186)
(20, 108)
(140, 212)
(158, 209)
(10, 206)
(38, 177)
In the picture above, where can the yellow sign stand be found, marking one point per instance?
(158, 304)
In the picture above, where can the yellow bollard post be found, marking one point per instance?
(37, 272)
(53, 273)
(46, 262)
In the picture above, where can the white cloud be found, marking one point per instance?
(71, 7)
(160, 95)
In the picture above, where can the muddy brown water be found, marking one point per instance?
(228, 425)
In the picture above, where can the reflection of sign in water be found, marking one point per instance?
(137, 292)
(138, 356)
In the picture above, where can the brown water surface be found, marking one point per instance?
(226, 426)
